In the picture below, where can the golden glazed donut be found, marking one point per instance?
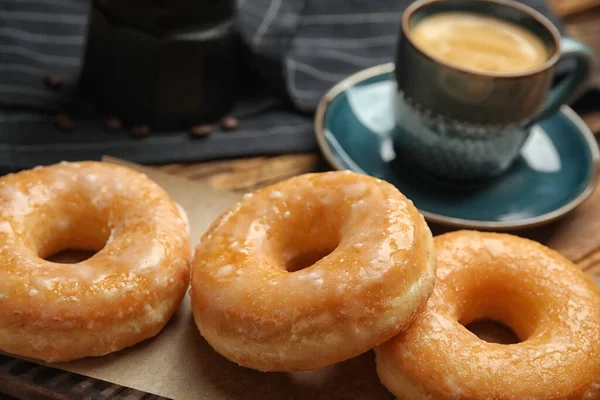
(123, 294)
(255, 303)
(548, 302)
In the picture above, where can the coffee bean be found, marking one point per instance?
(229, 123)
(140, 131)
(202, 130)
(113, 123)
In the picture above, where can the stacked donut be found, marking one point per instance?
(323, 267)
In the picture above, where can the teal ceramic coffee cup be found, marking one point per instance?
(464, 124)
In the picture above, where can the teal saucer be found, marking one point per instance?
(555, 172)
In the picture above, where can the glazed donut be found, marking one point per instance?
(311, 271)
(123, 294)
(547, 301)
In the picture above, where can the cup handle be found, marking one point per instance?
(572, 84)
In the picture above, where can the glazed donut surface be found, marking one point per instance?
(549, 303)
(255, 303)
(123, 294)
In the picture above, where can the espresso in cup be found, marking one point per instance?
(473, 77)
(478, 42)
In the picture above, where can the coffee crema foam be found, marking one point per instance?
(478, 42)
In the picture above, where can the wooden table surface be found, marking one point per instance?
(577, 236)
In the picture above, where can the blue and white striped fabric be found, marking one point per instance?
(301, 46)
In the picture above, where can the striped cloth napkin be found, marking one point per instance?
(301, 47)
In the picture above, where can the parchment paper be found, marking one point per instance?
(179, 364)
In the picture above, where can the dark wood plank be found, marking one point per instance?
(29, 381)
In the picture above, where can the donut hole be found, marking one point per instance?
(493, 331)
(70, 256)
(300, 253)
(74, 250)
(306, 259)
(310, 233)
(71, 239)
(498, 314)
